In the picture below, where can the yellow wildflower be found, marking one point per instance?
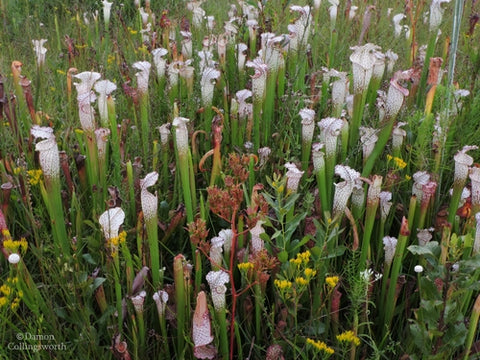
(15, 303)
(110, 58)
(61, 72)
(23, 244)
(399, 162)
(309, 273)
(17, 170)
(305, 256)
(142, 49)
(5, 289)
(349, 337)
(14, 245)
(301, 281)
(332, 281)
(3, 301)
(34, 176)
(245, 266)
(283, 284)
(6, 234)
(407, 177)
(320, 346)
(389, 157)
(133, 32)
(296, 261)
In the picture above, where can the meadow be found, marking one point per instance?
(239, 179)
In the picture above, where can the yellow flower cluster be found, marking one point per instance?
(110, 59)
(114, 242)
(34, 176)
(246, 266)
(310, 273)
(9, 294)
(398, 162)
(302, 258)
(283, 284)
(332, 281)
(349, 337)
(320, 346)
(301, 281)
(14, 245)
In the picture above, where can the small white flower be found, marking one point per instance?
(367, 274)
(14, 258)
(418, 269)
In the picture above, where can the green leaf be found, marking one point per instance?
(89, 259)
(97, 282)
(429, 249)
(283, 256)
